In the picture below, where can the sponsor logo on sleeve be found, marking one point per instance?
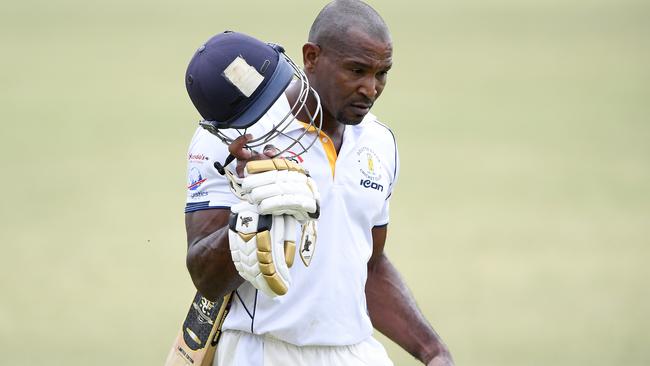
(197, 158)
(195, 179)
(199, 194)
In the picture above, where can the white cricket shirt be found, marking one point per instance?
(326, 303)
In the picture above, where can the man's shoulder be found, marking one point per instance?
(373, 127)
(377, 141)
(204, 139)
(207, 146)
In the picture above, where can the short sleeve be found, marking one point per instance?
(383, 217)
(206, 188)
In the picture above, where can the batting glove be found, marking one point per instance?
(263, 247)
(280, 186)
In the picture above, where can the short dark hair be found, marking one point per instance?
(337, 17)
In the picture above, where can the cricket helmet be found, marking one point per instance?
(234, 79)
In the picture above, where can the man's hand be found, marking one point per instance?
(243, 155)
(276, 194)
(280, 187)
(276, 186)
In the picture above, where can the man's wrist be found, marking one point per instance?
(438, 350)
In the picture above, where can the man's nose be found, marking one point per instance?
(368, 87)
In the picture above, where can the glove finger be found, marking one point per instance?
(270, 254)
(241, 240)
(260, 179)
(287, 202)
(313, 188)
(264, 165)
(253, 181)
(290, 225)
(242, 206)
(263, 192)
(299, 214)
(284, 188)
(278, 250)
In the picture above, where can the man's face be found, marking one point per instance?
(350, 77)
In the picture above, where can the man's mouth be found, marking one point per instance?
(361, 108)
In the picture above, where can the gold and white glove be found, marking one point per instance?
(280, 186)
(276, 194)
(263, 247)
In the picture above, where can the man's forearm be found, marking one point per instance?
(394, 313)
(211, 267)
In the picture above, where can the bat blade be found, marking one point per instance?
(197, 340)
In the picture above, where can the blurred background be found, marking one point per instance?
(521, 220)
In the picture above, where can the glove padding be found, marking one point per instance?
(280, 186)
(262, 247)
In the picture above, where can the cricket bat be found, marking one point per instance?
(197, 340)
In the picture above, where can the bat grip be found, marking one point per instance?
(221, 168)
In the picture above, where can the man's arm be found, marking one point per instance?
(393, 310)
(208, 253)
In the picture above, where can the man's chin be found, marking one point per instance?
(350, 119)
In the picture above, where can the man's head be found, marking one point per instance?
(347, 58)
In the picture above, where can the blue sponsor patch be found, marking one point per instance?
(367, 183)
(195, 179)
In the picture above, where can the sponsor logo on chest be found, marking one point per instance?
(370, 169)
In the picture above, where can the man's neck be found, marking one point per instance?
(330, 126)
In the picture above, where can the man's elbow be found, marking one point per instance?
(213, 276)
(203, 282)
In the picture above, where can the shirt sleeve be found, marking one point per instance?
(206, 188)
(383, 217)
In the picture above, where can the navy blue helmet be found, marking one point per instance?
(234, 79)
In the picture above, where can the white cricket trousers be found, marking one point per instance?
(237, 348)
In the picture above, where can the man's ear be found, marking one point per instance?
(310, 54)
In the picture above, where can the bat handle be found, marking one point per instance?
(221, 167)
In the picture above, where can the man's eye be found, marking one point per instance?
(357, 71)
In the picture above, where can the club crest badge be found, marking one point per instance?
(308, 242)
(370, 169)
(369, 164)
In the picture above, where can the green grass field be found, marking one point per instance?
(521, 220)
